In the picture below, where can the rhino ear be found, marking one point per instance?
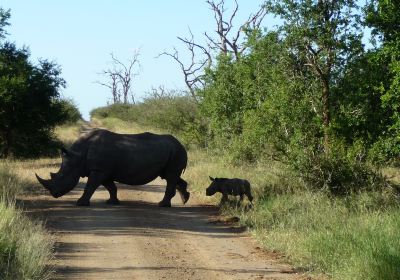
(211, 178)
(64, 151)
(69, 153)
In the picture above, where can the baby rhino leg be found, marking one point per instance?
(248, 192)
(224, 198)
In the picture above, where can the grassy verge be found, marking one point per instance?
(354, 237)
(351, 237)
(25, 246)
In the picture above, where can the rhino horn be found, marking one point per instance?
(45, 183)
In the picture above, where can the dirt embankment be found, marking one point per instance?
(138, 240)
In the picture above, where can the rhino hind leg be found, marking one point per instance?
(182, 190)
(170, 192)
(112, 189)
(95, 179)
(239, 202)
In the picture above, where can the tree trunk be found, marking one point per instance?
(326, 113)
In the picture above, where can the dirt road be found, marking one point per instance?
(138, 240)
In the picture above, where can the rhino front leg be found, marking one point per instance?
(95, 179)
(224, 199)
(112, 189)
(240, 200)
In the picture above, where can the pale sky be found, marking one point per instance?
(80, 35)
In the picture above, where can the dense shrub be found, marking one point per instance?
(70, 111)
(341, 171)
(29, 103)
(174, 114)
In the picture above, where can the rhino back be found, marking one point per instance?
(133, 158)
(234, 186)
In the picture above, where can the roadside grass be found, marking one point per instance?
(25, 246)
(349, 237)
(68, 133)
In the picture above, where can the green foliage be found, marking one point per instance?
(300, 89)
(29, 106)
(4, 17)
(341, 172)
(223, 97)
(173, 113)
(69, 111)
(383, 16)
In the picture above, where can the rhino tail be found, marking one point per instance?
(184, 196)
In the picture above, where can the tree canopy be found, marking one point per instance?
(30, 102)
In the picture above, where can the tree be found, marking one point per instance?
(29, 103)
(121, 77)
(224, 43)
(383, 16)
(4, 17)
(324, 34)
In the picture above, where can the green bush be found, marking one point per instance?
(341, 171)
(70, 111)
(175, 114)
(126, 112)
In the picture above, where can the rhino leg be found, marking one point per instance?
(95, 179)
(182, 189)
(112, 189)
(169, 193)
(240, 200)
(249, 196)
(224, 199)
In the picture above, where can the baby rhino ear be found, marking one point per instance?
(211, 178)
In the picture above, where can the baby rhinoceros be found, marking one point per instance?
(227, 187)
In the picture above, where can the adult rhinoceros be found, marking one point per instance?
(133, 159)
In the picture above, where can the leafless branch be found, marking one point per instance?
(227, 44)
(120, 77)
(194, 71)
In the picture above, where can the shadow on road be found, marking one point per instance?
(134, 217)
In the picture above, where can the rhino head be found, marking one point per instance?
(67, 177)
(214, 187)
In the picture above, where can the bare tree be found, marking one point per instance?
(112, 84)
(193, 71)
(121, 76)
(225, 42)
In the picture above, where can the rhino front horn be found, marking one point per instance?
(45, 183)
